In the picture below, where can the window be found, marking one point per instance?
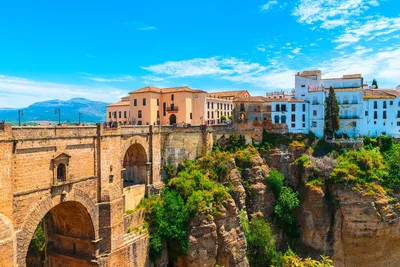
(208, 105)
(304, 107)
(391, 103)
(191, 115)
(384, 113)
(398, 123)
(374, 122)
(384, 104)
(144, 101)
(366, 113)
(139, 123)
(375, 115)
(354, 124)
(125, 114)
(139, 114)
(293, 107)
(303, 85)
(115, 114)
(278, 107)
(172, 97)
(158, 102)
(109, 114)
(375, 104)
(354, 101)
(120, 114)
(293, 117)
(135, 102)
(315, 113)
(304, 118)
(293, 125)
(208, 114)
(231, 106)
(158, 114)
(164, 109)
(283, 119)
(61, 173)
(242, 107)
(217, 105)
(276, 119)
(283, 107)
(304, 125)
(398, 114)
(224, 106)
(314, 124)
(212, 105)
(314, 100)
(212, 114)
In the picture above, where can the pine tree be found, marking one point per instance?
(332, 113)
(374, 82)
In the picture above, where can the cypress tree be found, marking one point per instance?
(332, 113)
(374, 82)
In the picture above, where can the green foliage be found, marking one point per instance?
(332, 113)
(392, 159)
(223, 118)
(385, 142)
(38, 241)
(291, 259)
(275, 181)
(171, 171)
(261, 244)
(242, 157)
(287, 202)
(303, 161)
(361, 166)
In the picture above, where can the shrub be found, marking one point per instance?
(385, 142)
(275, 181)
(286, 203)
(291, 259)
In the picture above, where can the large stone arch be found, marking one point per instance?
(32, 220)
(144, 141)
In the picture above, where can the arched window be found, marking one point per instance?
(61, 173)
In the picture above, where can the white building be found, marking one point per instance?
(292, 111)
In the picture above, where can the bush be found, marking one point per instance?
(275, 181)
(287, 202)
(385, 142)
(291, 259)
(261, 244)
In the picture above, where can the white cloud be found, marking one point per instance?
(368, 31)
(269, 5)
(20, 92)
(231, 69)
(331, 13)
(296, 50)
(119, 79)
(147, 28)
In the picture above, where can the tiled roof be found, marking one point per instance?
(286, 99)
(381, 94)
(229, 94)
(166, 90)
(352, 76)
(310, 73)
(119, 104)
(251, 99)
(355, 89)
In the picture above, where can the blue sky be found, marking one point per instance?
(101, 50)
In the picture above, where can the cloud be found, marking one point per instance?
(368, 31)
(269, 5)
(332, 13)
(230, 69)
(296, 50)
(147, 28)
(20, 92)
(119, 79)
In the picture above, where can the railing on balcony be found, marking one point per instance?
(315, 102)
(173, 108)
(345, 102)
(349, 117)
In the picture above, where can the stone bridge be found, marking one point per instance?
(82, 185)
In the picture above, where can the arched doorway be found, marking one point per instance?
(135, 168)
(172, 119)
(65, 236)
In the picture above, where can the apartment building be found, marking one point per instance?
(119, 112)
(219, 106)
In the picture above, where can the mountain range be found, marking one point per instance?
(92, 111)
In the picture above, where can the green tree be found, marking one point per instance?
(374, 82)
(332, 113)
(223, 118)
(275, 181)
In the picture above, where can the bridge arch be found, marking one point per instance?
(135, 165)
(70, 223)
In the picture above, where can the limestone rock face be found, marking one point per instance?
(260, 196)
(216, 240)
(238, 192)
(315, 221)
(366, 230)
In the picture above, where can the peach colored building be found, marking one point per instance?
(166, 106)
(119, 112)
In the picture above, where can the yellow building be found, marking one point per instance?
(119, 112)
(165, 106)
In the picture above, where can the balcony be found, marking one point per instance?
(354, 117)
(172, 109)
(315, 102)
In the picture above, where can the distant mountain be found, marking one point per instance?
(93, 111)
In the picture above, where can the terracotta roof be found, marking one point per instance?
(125, 98)
(258, 99)
(119, 104)
(229, 94)
(352, 76)
(355, 89)
(381, 94)
(286, 99)
(310, 73)
(166, 90)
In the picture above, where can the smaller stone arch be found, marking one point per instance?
(135, 165)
